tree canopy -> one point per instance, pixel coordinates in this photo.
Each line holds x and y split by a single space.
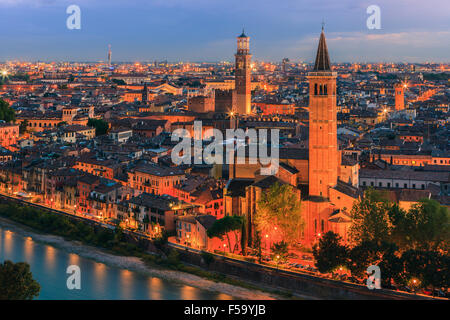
280 209
23 127
6 112
329 253
280 251
426 225
100 125
16 282
406 244
119 82
371 220
223 227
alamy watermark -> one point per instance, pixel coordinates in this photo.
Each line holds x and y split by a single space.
74 20
374 20
237 141
374 279
74 280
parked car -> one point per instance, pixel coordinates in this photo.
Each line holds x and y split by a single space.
405 288
439 293
390 287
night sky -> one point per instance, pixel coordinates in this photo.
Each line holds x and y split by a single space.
206 30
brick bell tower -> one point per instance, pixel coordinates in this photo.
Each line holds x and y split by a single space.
242 103
323 147
399 96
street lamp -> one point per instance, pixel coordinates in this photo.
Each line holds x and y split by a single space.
224 246
414 284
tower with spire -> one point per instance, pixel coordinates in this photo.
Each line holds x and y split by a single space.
242 92
323 147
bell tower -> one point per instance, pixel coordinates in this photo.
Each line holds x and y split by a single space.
399 96
243 91
323 147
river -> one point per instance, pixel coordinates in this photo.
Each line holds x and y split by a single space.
98 280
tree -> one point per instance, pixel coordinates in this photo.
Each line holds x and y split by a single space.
329 253
426 226
280 251
7 113
378 253
398 234
430 268
100 125
371 220
279 213
23 127
223 227
16 282
119 82
391 265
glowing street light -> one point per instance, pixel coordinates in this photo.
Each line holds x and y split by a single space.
414 284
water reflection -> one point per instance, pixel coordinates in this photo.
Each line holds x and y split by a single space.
28 249
126 281
188 293
50 258
98 281
100 278
154 288
9 243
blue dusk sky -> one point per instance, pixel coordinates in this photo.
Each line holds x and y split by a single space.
206 30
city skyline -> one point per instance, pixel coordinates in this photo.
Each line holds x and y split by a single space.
135 162
175 31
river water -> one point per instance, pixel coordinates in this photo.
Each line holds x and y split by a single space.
98 281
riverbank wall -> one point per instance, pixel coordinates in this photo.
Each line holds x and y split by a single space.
300 284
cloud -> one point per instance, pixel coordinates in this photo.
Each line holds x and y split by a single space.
365 47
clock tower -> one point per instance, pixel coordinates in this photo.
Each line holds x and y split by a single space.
243 91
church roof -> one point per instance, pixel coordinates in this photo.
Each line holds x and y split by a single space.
322 58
